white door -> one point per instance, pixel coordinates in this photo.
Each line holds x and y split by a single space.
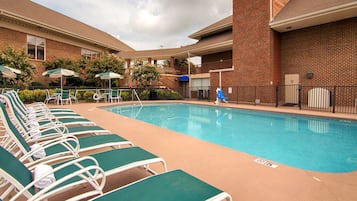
292 88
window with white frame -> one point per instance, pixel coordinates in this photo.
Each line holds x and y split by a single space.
89 54
36 47
200 83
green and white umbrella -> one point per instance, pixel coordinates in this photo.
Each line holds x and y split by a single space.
60 73
9 72
108 76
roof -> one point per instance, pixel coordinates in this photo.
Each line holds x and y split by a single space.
35 14
299 14
216 43
221 25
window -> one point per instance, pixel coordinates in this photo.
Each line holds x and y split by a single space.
200 83
36 47
89 54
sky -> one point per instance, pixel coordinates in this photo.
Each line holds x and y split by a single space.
145 24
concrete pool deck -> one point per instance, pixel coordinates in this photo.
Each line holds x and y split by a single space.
227 169
232 171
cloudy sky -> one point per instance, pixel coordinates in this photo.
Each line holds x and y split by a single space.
145 24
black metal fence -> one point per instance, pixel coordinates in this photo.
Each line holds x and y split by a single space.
335 99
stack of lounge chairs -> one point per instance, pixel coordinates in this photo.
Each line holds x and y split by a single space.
39 159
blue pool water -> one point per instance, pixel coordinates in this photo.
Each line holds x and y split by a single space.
310 143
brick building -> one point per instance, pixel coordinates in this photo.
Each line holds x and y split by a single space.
295 37
45 34
288 42
262 45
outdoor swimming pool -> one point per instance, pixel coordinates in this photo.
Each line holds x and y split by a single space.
310 143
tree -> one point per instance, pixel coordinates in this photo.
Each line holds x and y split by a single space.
18 60
183 64
144 75
66 64
101 65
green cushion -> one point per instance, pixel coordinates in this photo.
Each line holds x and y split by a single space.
110 160
169 186
13 167
76 129
85 142
66 121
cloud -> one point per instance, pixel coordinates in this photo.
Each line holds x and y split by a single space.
145 24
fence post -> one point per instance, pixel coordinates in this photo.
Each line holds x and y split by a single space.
237 94
276 95
255 95
299 98
334 100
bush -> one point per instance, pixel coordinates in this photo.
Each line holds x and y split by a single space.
164 94
37 84
80 95
144 95
125 95
88 96
174 95
30 96
39 95
26 96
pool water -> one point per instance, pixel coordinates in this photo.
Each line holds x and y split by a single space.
310 143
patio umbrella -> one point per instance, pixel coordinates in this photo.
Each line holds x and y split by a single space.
9 72
108 76
60 73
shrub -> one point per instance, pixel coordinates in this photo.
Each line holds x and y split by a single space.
125 95
164 94
26 96
88 96
144 95
38 95
80 95
30 96
37 84
174 95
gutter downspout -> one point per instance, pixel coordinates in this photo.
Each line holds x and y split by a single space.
189 74
271 10
220 73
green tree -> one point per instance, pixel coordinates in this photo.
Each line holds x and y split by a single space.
144 75
66 64
183 64
101 65
18 60
60 63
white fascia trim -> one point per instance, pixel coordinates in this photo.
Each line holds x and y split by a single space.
319 13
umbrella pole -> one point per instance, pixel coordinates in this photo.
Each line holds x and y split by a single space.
61 90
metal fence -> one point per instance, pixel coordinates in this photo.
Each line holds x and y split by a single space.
335 99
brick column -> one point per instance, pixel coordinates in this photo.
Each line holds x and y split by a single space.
255 46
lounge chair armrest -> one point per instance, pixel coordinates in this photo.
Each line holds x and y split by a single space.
91 174
42 117
60 130
70 143
51 124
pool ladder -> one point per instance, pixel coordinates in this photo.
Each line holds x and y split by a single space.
133 93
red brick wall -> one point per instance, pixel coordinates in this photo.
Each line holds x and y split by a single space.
216 61
18 41
253 44
170 82
56 49
14 39
329 51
